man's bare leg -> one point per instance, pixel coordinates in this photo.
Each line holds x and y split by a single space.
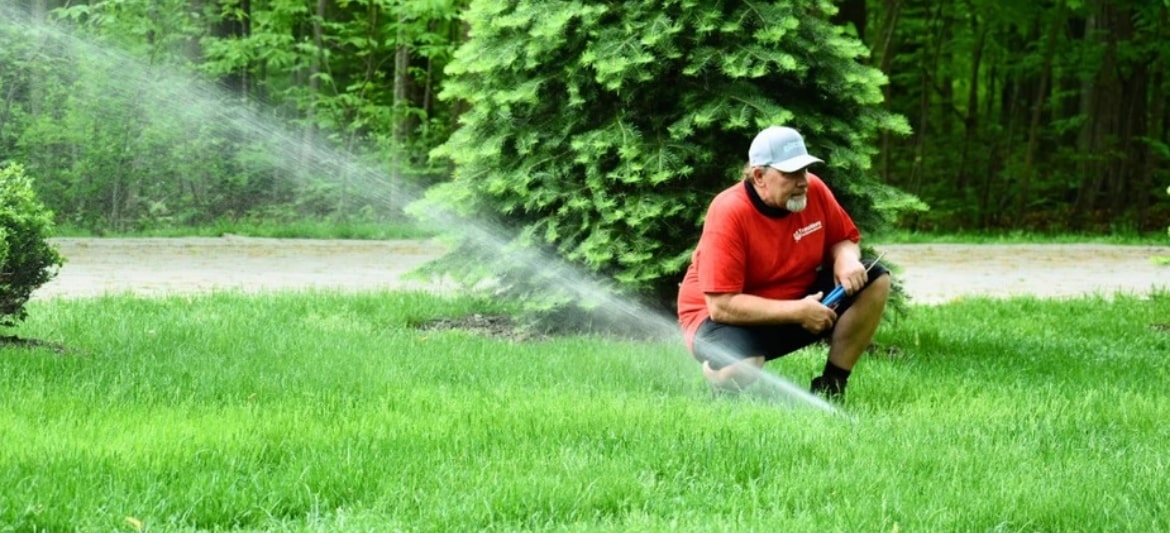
854 330
852 334
734 377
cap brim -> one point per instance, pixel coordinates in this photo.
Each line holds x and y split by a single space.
796 163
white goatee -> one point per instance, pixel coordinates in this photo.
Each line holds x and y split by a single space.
797 204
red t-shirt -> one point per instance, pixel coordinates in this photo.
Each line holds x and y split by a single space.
743 250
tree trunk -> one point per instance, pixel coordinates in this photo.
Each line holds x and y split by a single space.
236 27
1086 139
1108 139
989 211
1037 111
971 118
942 77
884 51
927 87
309 131
1158 130
7 111
1126 193
38 13
401 104
192 49
429 87
401 84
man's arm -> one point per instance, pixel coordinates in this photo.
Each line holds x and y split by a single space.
746 310
847 266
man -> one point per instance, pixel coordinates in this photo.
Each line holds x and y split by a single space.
772 247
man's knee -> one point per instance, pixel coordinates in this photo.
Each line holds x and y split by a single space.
879 288
735 376
869 305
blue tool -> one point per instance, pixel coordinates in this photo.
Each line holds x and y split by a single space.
838 292
834 296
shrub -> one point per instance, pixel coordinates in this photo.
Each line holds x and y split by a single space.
1163 259
27 261
598 132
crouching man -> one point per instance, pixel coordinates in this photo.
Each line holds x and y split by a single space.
773 245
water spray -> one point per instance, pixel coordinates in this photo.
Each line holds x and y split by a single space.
204 104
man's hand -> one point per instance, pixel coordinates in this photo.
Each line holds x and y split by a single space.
850 273
815 317
847 267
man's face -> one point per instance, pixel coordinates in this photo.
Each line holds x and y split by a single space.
786 190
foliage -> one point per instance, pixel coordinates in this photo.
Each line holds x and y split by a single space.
1164 260
1027 116
599 131
1041 116
27 260
336 70
274 123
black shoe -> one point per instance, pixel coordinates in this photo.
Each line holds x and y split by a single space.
828 388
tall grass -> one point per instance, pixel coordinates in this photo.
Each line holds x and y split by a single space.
326 412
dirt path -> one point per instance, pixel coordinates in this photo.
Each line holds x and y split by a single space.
935 273
162 266
932 273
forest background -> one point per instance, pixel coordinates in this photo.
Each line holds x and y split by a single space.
1033 116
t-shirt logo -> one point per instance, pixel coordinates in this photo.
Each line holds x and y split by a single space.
805 231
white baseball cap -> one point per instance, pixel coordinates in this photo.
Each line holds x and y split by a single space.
780 148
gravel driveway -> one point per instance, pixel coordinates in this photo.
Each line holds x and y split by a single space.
931 273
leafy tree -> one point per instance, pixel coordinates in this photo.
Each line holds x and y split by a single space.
1033 115
1163 259
362 72
1026 115
322 109
598 131
27 261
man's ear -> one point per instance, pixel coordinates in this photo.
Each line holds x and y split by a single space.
757 174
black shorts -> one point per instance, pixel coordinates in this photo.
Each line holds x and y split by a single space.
724 344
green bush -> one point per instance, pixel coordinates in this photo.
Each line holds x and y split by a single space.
27 261
598 132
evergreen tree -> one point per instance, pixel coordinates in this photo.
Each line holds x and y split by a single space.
598 131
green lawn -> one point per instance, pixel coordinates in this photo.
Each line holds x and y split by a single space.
329 412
